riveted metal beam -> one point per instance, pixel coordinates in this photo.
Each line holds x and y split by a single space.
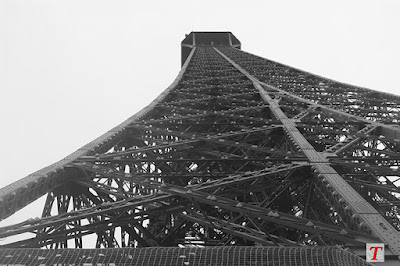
358 205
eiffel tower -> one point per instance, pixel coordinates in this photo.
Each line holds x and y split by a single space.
240 160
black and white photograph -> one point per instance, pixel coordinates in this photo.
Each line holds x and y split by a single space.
200 133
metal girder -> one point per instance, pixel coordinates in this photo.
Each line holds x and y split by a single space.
191 139
225 158
110 207
238 230
357 204
42 181
388 129
342 146
304 113
269 215
192 193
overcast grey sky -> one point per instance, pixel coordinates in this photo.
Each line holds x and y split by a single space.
71 70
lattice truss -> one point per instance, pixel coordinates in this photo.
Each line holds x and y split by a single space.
239 150
221 256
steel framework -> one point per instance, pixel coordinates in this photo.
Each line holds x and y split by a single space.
238 151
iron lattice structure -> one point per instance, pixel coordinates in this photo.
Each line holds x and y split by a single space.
238 151
221 256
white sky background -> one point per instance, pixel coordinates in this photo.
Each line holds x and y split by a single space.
71 70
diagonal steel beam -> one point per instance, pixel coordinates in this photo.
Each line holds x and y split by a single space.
266 214
379 226
189 140
349 142
46 179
